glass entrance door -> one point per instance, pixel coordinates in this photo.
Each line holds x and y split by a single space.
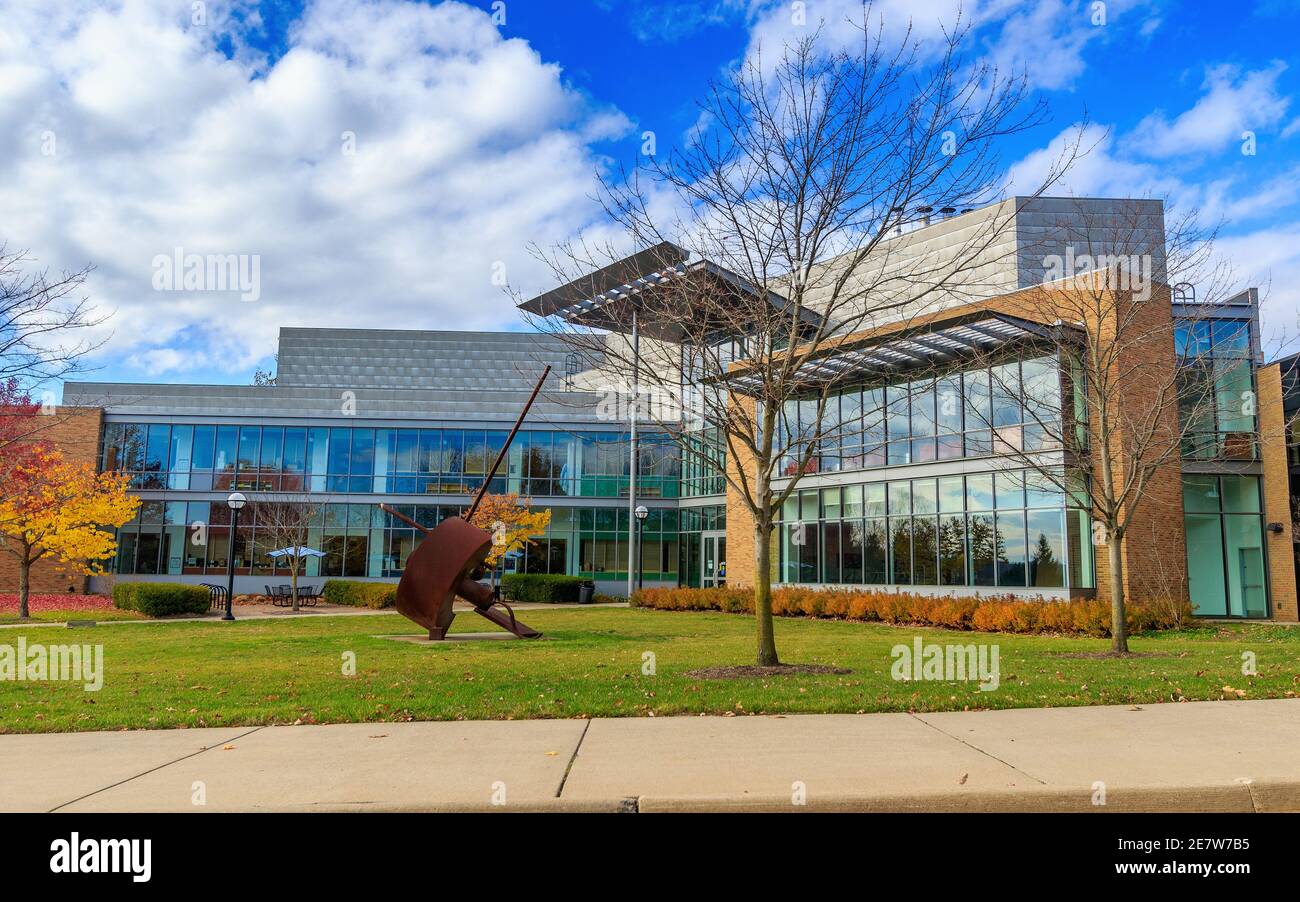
713 562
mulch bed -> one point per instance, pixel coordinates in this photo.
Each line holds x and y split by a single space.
52 602
738 671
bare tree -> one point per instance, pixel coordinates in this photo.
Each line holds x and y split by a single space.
45 326
285 522
42 317
796 202
1126 385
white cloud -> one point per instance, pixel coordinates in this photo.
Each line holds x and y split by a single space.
467 147
1045 39
1233 102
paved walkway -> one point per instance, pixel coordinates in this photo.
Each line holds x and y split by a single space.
1208 756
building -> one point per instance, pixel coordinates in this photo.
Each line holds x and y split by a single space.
920 498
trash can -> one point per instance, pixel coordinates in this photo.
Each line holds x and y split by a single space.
586 592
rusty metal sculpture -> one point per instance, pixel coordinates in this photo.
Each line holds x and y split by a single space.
449 561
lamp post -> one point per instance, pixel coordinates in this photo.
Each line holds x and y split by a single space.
641 513
236 502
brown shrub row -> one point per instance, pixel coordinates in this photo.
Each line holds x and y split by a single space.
994 613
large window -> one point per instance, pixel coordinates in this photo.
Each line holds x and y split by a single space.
1217 389
1226 563
1013 406
178 537
1011 529
345 460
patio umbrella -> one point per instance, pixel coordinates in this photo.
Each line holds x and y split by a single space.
295 551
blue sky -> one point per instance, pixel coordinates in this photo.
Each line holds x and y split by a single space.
225 133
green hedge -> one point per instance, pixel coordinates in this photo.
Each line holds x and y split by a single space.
161 599
541 587
357 594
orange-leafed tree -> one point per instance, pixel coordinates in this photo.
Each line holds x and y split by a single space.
512 522
62 511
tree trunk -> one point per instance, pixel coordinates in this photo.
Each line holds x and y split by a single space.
293 582
1118 623
763 596
24 586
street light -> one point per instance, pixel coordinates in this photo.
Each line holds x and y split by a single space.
641 513
236 501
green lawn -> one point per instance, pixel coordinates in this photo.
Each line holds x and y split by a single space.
287 670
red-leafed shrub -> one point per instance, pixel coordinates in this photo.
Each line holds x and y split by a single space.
995 613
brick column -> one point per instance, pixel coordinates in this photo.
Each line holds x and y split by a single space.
1277 494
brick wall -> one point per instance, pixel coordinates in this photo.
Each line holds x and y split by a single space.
75 432
1277 494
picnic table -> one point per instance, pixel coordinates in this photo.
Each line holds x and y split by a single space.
282 596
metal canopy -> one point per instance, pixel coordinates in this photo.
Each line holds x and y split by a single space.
929 346
605 298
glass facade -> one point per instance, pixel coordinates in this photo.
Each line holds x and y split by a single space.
392 461
1012 528
975 412
1226 561
1217 391
360 540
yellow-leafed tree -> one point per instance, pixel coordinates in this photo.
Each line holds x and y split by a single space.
512 522
54 509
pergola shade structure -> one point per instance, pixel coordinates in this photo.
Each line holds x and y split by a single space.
931 346
675 300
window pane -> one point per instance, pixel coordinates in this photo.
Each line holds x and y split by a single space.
1243 538
272 445
1006 394
952 551
1205 564
979 492
949 403
925 551
981 549
874 557
875 499
1011 548
1241 494
1046 549
249 439
924 496
295 450
1201 493
830 553
951 494
1010 489
900 551
851 539
900 498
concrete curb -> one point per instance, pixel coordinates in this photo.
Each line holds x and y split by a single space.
1237 798
1234 799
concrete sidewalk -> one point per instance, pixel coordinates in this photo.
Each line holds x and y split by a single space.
1208 756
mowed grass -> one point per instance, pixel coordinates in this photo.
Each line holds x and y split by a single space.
284 671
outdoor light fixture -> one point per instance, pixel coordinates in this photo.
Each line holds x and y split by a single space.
1275 527
641 512
236 502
